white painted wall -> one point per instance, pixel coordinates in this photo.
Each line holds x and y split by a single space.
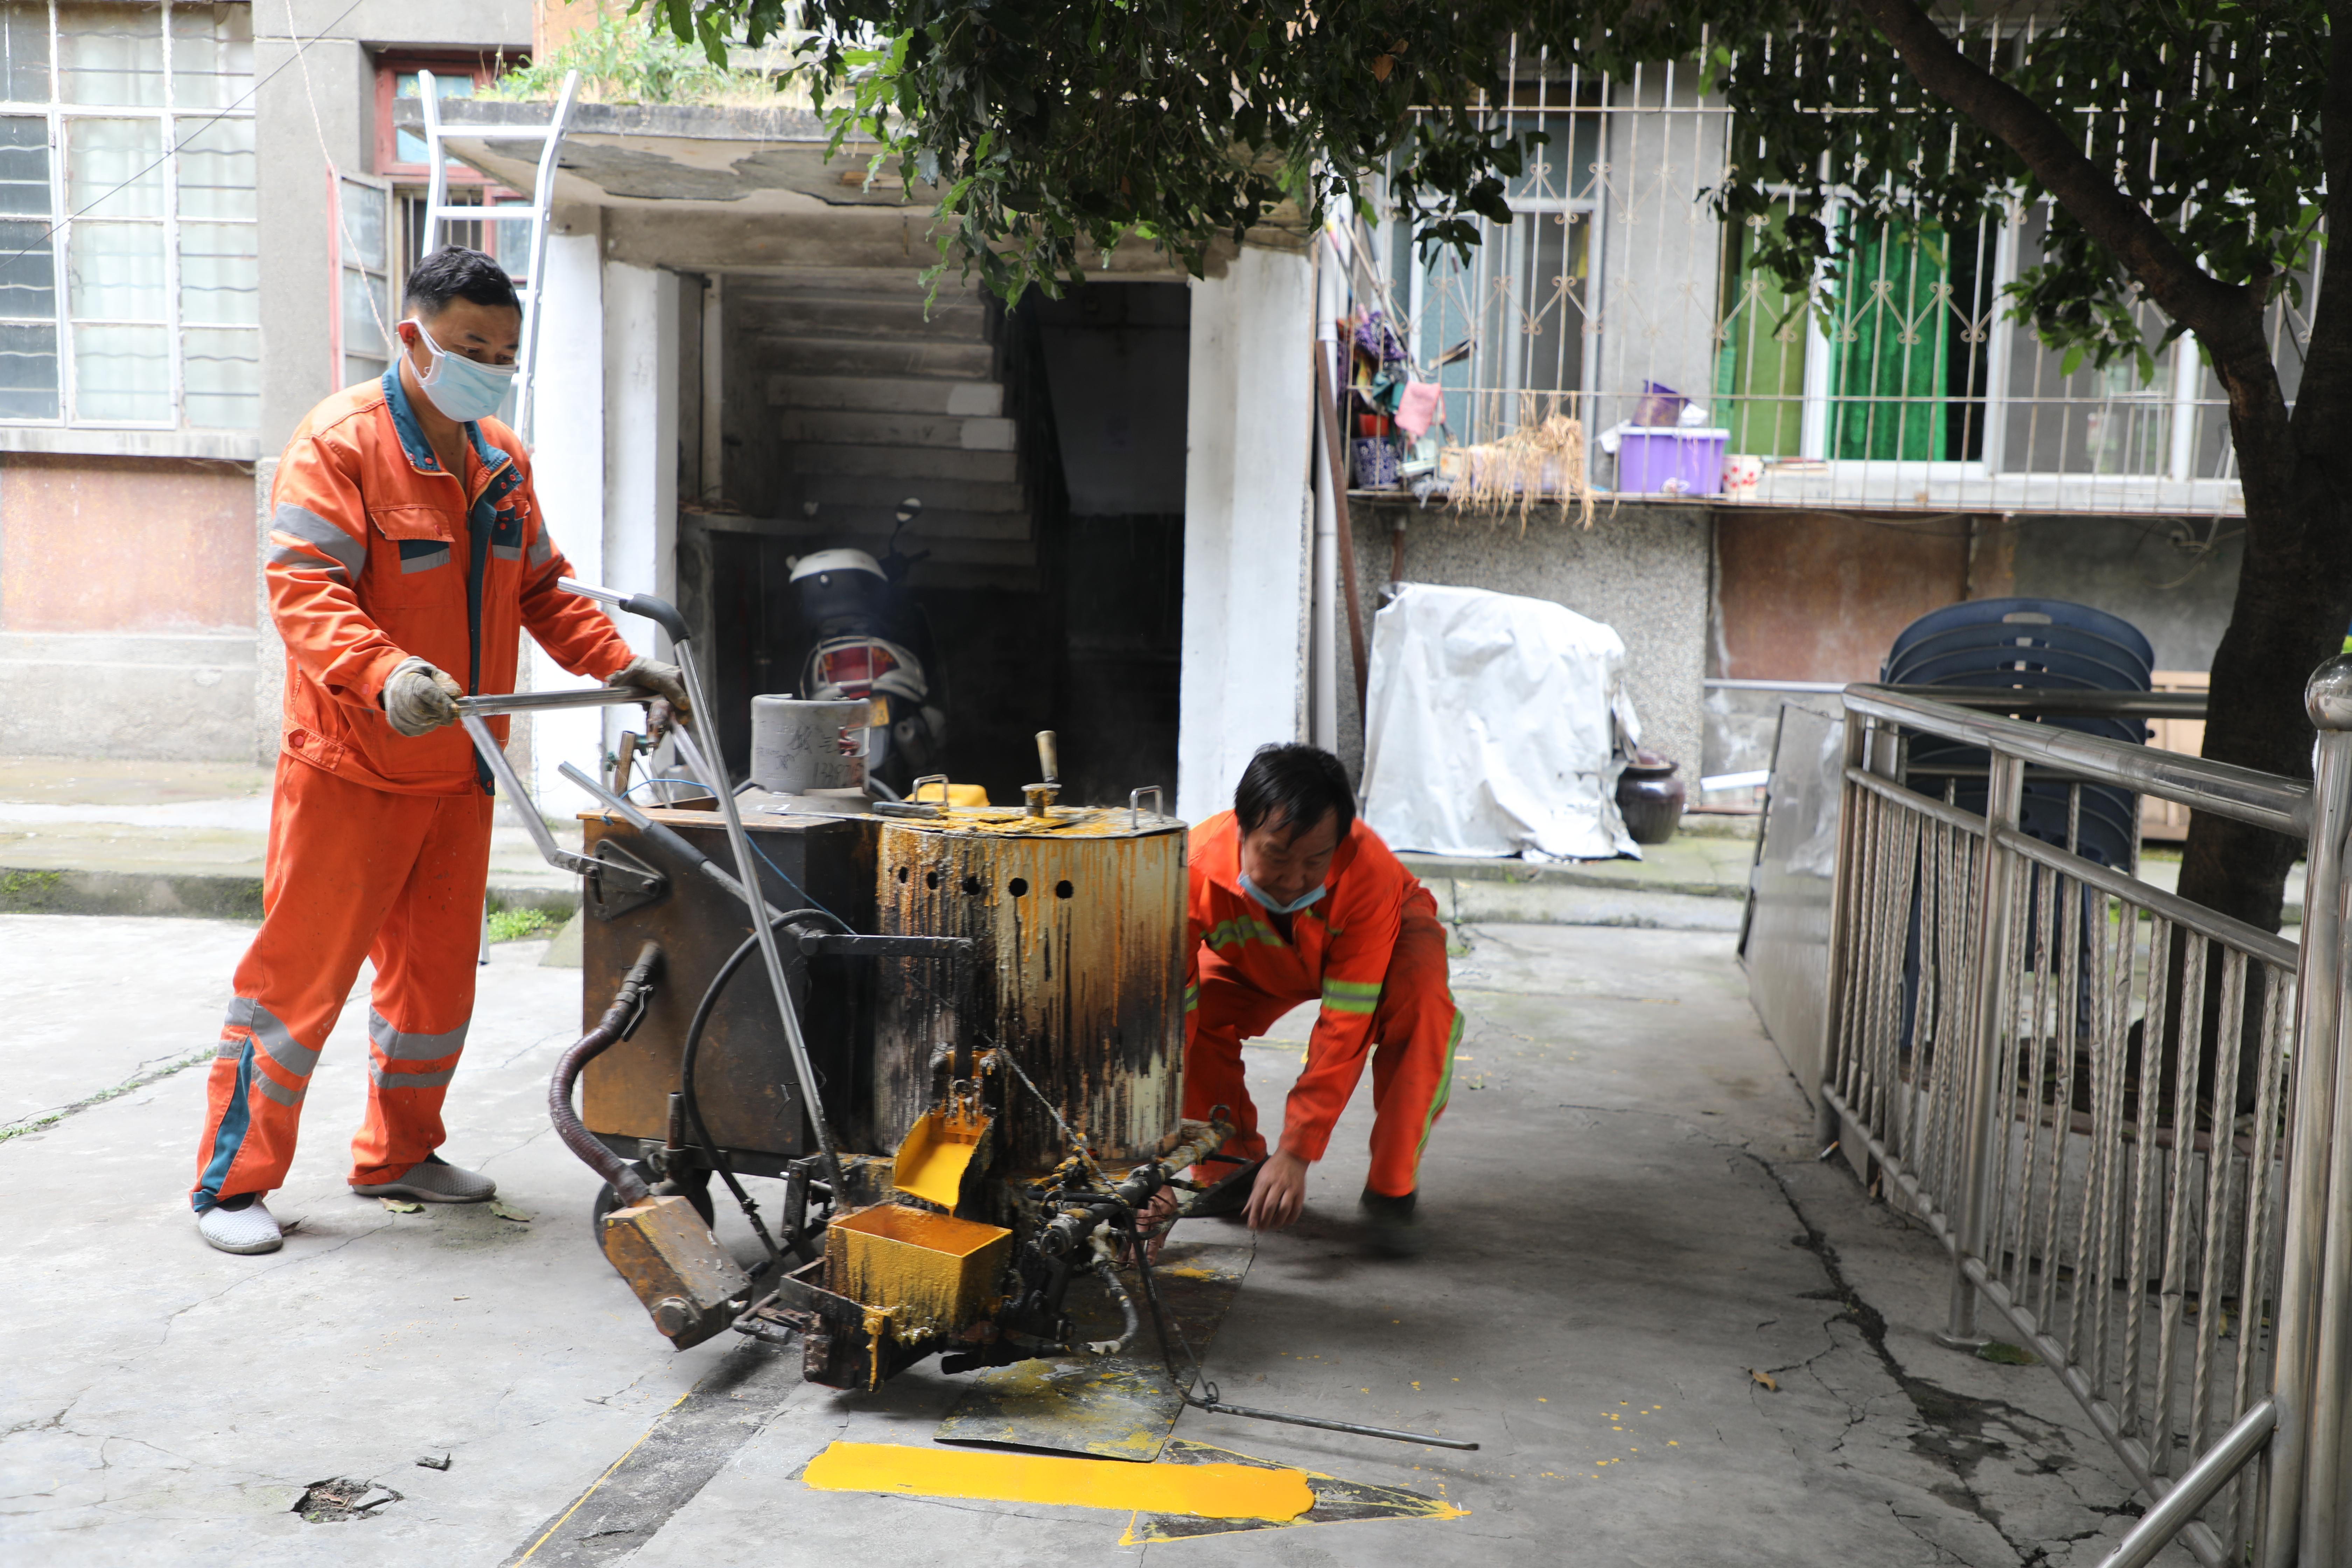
641 394
569 471
1248 520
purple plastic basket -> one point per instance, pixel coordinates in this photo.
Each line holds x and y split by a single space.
1675 461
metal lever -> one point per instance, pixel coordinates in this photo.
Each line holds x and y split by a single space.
487 746
1041 796
1135 804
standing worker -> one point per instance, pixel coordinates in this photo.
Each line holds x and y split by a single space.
1292 901
406 555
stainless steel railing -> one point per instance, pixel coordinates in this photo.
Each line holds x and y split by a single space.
2096 1093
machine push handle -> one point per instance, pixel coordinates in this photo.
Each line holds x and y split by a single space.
665 615
661 611
1049 763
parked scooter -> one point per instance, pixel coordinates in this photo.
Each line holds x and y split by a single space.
868 639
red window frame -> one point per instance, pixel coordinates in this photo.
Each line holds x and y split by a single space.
480 67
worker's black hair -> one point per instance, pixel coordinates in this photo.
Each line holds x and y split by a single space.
453 272
1293 787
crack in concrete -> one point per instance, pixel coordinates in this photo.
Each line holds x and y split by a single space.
172 1318
42 1120
1951 1432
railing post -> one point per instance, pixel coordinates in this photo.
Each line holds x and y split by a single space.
1985 1110
1844 921
2303 1494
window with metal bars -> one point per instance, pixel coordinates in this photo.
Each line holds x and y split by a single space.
129 264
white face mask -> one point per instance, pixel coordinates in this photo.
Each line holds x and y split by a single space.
1266 900
463 389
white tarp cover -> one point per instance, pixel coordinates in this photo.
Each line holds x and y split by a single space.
1494 726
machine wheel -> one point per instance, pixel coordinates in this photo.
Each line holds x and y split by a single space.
697 1192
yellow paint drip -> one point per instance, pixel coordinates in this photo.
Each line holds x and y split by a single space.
1203 1492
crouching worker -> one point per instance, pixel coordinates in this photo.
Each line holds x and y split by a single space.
406 554
1292 900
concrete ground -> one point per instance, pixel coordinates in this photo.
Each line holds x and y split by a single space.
1679 1337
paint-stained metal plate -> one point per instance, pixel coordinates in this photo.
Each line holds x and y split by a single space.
1110 1408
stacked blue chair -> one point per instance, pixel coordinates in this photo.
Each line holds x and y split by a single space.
2028 645
2031 645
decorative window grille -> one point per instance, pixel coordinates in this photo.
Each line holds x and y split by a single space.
129 267
1901 385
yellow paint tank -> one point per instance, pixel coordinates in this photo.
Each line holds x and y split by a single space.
1079 920
933 1272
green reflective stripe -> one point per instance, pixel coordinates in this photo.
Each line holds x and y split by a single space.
1191 997
1444 1085
1350 1004
1240 930
1352 989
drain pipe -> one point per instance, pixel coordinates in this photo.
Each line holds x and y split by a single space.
1323 629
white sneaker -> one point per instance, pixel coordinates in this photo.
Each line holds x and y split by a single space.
434 1180
249 1229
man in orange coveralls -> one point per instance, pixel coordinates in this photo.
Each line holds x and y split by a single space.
1292 899
406 554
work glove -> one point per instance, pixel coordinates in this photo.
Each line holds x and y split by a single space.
418 699
656 678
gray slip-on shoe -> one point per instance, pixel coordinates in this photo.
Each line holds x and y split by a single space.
434 1180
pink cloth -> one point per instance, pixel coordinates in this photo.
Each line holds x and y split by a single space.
1421 405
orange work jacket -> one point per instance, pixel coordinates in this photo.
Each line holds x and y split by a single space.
1337 951
377 553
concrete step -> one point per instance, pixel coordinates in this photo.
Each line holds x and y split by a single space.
885 491
871 429
792 354
864 316
911 463
867 526
894 394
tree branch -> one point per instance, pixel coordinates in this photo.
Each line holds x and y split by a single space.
2219 314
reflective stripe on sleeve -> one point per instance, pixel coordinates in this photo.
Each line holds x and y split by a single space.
304 526
1351 996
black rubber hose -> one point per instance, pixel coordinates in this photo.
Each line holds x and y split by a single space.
634 987
692 1103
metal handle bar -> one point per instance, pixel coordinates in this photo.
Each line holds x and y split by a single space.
533 701
1135 804
487 747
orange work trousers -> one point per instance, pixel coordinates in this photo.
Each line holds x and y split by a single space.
351 873
1416 1030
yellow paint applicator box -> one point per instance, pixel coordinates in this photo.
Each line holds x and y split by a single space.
931 1271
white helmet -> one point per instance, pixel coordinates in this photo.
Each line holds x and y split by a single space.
826 561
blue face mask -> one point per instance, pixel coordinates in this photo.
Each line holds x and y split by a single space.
461 388
1265 899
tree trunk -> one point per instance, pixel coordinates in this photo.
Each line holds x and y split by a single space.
2294 599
